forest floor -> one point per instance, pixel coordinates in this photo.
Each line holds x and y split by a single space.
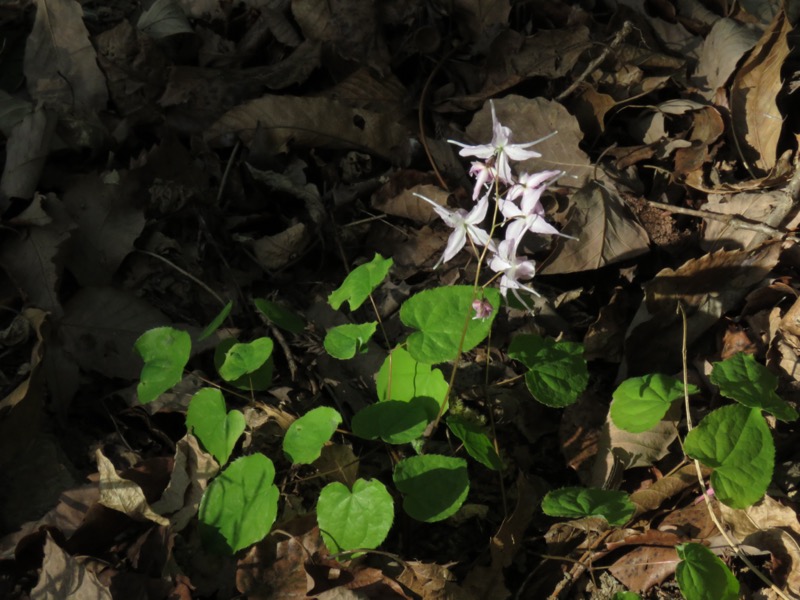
166 160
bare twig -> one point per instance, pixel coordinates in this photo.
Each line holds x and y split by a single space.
627 27
734 221
185 274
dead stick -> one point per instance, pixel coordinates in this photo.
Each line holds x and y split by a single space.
627 27
731 220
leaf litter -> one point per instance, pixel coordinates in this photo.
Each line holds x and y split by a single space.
164 159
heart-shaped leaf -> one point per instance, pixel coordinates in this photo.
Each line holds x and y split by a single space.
440 314
245 359
360 283
358 519
307 435
216 429
240 505
165 351
641 402
345 341
736 442
575 503
433 486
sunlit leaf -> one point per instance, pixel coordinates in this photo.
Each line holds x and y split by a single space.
165 351
358 519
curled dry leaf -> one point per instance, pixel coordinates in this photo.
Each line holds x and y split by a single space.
757 123
124 495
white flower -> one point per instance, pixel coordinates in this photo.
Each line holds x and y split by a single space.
501 149
529 216
464 224
514 269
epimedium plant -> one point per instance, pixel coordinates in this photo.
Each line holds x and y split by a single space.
413 397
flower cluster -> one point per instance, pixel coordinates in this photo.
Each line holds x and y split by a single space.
518 200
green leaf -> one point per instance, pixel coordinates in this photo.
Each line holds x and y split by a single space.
358 519
345 341
736 442
217 429
259 380
748 382
440 315
557 372
433 486
703 576
641 402
280 315
403 378
476 442
216 322
245 359
306 436
165 351
240 505
392 421
575 503
626 596
360 283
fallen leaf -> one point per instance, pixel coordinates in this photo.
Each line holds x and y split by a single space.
756 121
27 148
34 258
63 576
312 122
724 46
606 233
645 567
124 495
767 207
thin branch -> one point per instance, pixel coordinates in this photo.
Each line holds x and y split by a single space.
734 221
627 27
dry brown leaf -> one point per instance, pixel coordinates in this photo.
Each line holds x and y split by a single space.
34 258
63 576
100 327
665 488
707 288
481 18
786 555
757 123
767 207
190 476
606 233
60 61
124 495
645 567
108 223
27 149
767 513
408 206
277 251
726 43
630 450
312 122
605 337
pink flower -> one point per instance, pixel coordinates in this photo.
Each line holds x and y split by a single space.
483 309
464 224
501 149
515 269
529 216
